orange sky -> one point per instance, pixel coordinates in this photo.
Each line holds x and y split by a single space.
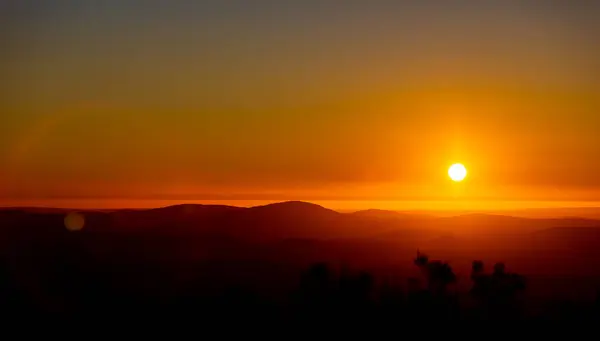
306 101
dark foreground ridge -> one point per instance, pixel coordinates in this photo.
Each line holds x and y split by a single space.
296 263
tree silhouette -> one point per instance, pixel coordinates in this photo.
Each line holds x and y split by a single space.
497 293
481 281
439 274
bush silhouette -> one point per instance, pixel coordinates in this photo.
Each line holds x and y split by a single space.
439 274
345 295
497 293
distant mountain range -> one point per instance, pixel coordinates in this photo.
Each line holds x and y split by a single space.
292 219
297 232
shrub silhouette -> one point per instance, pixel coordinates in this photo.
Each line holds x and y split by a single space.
497 293
345 295
439 274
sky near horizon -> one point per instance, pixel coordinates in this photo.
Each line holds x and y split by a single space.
299 100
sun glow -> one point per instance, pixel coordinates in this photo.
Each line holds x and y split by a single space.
457 172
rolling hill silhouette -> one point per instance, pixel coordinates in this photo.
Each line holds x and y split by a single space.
204 248
293 219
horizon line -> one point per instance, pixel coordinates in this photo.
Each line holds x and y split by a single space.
338 205
288 198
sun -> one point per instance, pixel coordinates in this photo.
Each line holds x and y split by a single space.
457 172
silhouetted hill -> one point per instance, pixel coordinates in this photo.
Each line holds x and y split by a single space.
188 251
189 218
34 210
500 224
556 212
583 239
284 220
294 208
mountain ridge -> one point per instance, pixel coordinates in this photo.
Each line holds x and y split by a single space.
288 219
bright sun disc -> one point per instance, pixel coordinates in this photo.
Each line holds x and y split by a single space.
457 172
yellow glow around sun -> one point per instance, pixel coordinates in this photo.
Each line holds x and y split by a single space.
457 172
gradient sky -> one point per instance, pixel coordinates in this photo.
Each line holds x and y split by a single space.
303 100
